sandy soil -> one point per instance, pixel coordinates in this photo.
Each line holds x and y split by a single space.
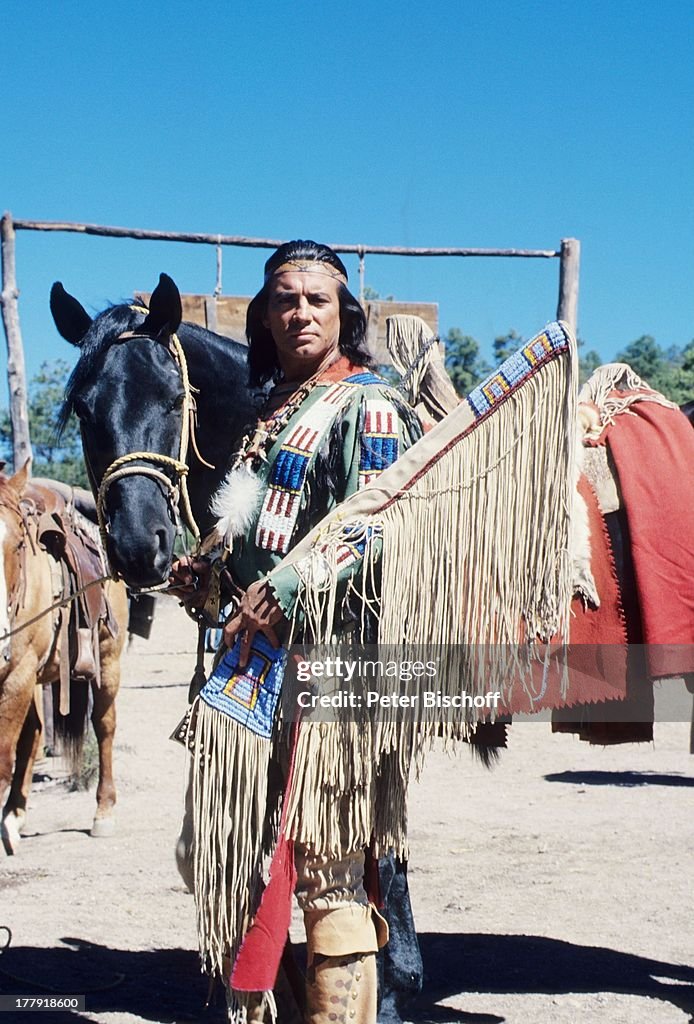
556 888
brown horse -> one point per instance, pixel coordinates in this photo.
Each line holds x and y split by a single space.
31 580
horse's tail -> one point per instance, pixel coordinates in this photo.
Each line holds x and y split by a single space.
70 730
488 740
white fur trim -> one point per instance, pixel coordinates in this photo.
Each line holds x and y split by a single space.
236 503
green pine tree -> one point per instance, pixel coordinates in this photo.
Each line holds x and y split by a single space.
57 457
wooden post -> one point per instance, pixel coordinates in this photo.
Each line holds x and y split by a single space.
16 375
569 260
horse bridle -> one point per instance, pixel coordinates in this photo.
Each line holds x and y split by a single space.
124 465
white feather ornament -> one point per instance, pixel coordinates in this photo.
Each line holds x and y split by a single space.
236 503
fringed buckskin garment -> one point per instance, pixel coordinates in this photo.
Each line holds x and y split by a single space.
348 427
469 534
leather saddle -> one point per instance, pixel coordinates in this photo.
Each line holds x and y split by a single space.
74 544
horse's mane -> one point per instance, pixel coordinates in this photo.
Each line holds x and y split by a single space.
104 330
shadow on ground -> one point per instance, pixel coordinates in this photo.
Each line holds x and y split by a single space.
164 985
530 964
620 779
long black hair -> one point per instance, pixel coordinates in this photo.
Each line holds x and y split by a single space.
262 354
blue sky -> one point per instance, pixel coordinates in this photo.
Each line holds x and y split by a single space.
503 124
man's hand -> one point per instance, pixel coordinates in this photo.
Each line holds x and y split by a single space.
258 612
189 580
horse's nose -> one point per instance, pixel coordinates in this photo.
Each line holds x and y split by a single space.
144 562
141 531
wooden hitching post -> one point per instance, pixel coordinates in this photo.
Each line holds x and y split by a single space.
569 260
16 375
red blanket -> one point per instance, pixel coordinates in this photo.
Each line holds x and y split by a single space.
597 656
653 450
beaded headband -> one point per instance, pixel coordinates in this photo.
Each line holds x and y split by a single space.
308 267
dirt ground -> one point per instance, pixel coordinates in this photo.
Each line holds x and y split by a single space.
555 888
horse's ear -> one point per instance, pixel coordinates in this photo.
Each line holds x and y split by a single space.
165 311
71 318
20 479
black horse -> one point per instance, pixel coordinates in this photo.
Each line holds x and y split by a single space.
129 393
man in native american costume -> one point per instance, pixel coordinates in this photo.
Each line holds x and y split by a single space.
330 427
461 541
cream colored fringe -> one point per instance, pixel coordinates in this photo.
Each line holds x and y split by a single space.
484 533
253 1006
350 787
600 389
410 342
230 770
